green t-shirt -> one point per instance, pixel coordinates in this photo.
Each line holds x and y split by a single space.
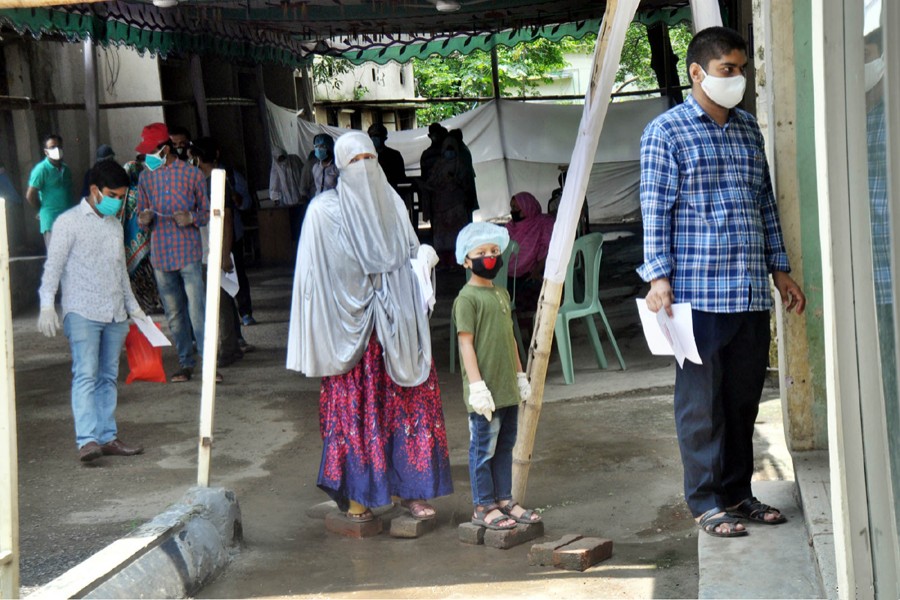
484 312
54 187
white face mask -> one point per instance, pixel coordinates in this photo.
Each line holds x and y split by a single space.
54 153
874 71
724 91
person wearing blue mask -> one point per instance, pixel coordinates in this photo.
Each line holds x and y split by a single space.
324 173
173 206
391 160
87 256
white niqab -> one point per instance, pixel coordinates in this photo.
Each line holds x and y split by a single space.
353 275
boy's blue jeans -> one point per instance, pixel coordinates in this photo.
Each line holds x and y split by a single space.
490 455
96 348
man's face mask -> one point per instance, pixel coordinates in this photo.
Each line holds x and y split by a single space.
54 153
486 266
155 161
727 92
181 152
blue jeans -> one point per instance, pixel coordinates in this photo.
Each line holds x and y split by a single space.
96 348
183 296
490 455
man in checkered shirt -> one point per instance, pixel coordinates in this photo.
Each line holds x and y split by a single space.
712 238
172 204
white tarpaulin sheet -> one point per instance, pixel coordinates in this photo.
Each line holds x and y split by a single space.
518 146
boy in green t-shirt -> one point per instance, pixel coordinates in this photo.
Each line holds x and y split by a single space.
493 381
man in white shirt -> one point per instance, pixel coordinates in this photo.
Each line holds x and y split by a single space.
87 255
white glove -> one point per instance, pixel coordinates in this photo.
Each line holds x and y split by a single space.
480 399
524 386
138 314
48 322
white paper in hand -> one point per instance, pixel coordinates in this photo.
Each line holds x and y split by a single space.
229 281
152 332
667 336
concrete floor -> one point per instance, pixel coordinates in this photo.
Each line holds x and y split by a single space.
605 464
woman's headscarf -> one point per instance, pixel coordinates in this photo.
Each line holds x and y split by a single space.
353 276
532 234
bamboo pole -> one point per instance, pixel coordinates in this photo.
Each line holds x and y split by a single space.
41 3
9 474
211 326
619 13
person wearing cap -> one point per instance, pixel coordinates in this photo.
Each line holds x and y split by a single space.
493 380
391 161
173 205
50 185
358 322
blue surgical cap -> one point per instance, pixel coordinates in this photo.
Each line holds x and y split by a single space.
476 234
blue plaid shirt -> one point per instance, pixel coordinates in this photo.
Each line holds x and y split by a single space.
710 219
880 209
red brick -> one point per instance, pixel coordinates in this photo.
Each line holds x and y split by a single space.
582 554
507 538
337 522
470 534
542 554
405 526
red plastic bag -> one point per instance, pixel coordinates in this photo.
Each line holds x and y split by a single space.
144 360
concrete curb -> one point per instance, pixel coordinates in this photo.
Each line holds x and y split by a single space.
172 556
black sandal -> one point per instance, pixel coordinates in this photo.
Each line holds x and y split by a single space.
754 510
479 518
525 518
709 521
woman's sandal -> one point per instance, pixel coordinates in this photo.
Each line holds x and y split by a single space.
480 516
526 518
419 509
363 517
754 510
709 521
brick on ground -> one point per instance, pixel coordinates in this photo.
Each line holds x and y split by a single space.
507 538
470 533
542 554
582 554
337 522
405 526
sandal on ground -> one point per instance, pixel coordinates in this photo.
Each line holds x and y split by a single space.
181 375
363 517
754 510
419 509
709 521
480 518
527 517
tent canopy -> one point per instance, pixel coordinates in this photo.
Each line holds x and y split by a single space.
290 31
518 146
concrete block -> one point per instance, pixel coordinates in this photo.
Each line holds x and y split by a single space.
319 511
582 554
542 554
337 522
507 538
405 526
470 534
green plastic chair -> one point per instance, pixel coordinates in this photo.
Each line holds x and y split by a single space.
586 253
510 256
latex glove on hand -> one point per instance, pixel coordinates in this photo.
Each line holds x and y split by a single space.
480 399
138 314
524 386
48 322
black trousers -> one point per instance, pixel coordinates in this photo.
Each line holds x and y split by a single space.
716 405
245 304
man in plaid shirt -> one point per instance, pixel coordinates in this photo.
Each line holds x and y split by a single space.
172 204
711 238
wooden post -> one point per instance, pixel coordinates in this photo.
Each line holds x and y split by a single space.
211 325
618 15
9 474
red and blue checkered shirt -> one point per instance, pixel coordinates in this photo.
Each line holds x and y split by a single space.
170 188
710 218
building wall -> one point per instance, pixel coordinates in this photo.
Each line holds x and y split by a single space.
370 82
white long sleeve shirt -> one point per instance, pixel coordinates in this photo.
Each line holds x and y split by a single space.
87 255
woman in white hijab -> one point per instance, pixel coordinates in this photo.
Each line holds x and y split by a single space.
357 322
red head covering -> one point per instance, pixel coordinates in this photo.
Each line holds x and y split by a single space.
532 234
